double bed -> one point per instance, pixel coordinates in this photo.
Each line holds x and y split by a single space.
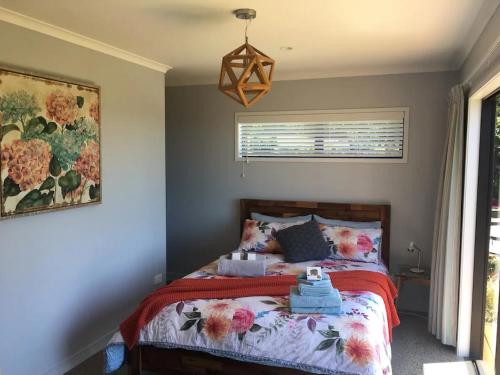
258 334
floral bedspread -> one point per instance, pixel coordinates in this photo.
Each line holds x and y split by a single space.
252 328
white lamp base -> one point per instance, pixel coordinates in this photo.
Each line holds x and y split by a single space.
417 270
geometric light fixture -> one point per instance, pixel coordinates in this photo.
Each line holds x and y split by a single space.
246 73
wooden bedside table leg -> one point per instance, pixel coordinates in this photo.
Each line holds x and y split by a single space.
399 280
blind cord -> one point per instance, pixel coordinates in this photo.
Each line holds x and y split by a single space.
243 175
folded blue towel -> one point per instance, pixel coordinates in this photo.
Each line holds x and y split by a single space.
302 279
331 300
315 283
317 288
316 310
316 291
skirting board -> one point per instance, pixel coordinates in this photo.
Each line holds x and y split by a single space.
81 355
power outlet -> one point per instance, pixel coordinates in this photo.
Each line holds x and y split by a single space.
157 280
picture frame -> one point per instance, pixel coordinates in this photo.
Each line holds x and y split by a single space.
314 273
50 143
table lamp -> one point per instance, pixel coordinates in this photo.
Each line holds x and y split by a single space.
412 248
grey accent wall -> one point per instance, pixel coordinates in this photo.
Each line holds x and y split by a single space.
204 178
68 278
478 68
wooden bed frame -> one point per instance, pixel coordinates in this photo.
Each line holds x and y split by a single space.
179 361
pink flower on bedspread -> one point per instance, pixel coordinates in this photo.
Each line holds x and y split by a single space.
217 327
347 249
365 243
359 351
242 320
345 233
224 307
356 326
248 230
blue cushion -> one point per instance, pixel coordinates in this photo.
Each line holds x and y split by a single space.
277 219
349 224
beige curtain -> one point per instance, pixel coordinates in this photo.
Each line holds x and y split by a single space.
443 306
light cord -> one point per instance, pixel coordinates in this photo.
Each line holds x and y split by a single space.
247 23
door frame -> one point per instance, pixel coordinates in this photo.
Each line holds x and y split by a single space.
467 260
483 222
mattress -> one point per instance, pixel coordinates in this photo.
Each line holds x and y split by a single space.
251 328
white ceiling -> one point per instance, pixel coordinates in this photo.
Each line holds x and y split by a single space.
329 37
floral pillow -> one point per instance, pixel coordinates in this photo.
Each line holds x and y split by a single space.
353 244
260 236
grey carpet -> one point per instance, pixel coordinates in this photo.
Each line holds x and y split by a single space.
412 346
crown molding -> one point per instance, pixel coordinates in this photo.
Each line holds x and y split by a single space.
34 24
484 15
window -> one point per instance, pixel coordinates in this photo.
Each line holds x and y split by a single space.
339 135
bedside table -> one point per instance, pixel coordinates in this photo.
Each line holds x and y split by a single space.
405 275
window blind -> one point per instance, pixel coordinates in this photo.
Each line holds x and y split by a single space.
335 135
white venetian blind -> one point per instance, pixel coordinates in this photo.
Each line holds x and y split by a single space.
379 134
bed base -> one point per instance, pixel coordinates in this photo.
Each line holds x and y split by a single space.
180 361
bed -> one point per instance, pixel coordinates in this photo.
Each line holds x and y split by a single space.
258 334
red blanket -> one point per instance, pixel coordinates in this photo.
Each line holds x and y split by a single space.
191 289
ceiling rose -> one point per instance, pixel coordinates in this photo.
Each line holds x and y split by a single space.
246 73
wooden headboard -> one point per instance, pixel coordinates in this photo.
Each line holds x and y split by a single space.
340 211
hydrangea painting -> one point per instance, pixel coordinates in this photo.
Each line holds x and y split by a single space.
49 144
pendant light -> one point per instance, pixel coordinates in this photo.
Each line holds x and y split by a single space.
246 73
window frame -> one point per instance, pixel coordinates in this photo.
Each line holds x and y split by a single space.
402 160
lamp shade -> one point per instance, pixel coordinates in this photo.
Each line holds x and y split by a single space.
246 74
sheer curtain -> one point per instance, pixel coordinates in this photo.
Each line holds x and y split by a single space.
443 306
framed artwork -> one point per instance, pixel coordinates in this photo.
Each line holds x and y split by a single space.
314 273
49 144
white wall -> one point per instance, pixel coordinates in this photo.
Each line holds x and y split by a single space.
483 61
205 184
68 278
